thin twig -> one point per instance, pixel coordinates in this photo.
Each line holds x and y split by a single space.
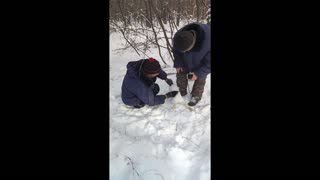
124 36
133 168
155 34
169 47
191 141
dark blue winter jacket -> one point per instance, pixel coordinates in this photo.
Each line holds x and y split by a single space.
198 59
135 89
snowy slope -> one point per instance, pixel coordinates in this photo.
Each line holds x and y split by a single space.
165 142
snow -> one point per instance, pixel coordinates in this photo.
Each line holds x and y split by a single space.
165 142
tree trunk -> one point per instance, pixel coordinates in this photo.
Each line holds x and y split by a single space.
178 12
148 24
198 10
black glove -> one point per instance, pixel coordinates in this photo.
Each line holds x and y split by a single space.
171 94
169 82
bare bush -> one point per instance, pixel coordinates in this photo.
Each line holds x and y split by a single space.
155 21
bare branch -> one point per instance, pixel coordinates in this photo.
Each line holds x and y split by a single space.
124 36
169 47
148 4
142 22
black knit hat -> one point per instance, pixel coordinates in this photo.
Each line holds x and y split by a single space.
151 66
184 40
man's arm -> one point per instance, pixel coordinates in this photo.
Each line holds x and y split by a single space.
205 68
145 94
177 59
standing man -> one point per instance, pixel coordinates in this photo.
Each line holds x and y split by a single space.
192 58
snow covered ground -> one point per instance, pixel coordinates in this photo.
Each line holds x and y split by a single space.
165 142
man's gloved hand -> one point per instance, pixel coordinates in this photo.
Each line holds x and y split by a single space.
169 82
171 94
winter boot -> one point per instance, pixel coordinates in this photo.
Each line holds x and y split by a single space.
194 101
140 105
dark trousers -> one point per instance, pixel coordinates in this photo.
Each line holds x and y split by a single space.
198 86
155 89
